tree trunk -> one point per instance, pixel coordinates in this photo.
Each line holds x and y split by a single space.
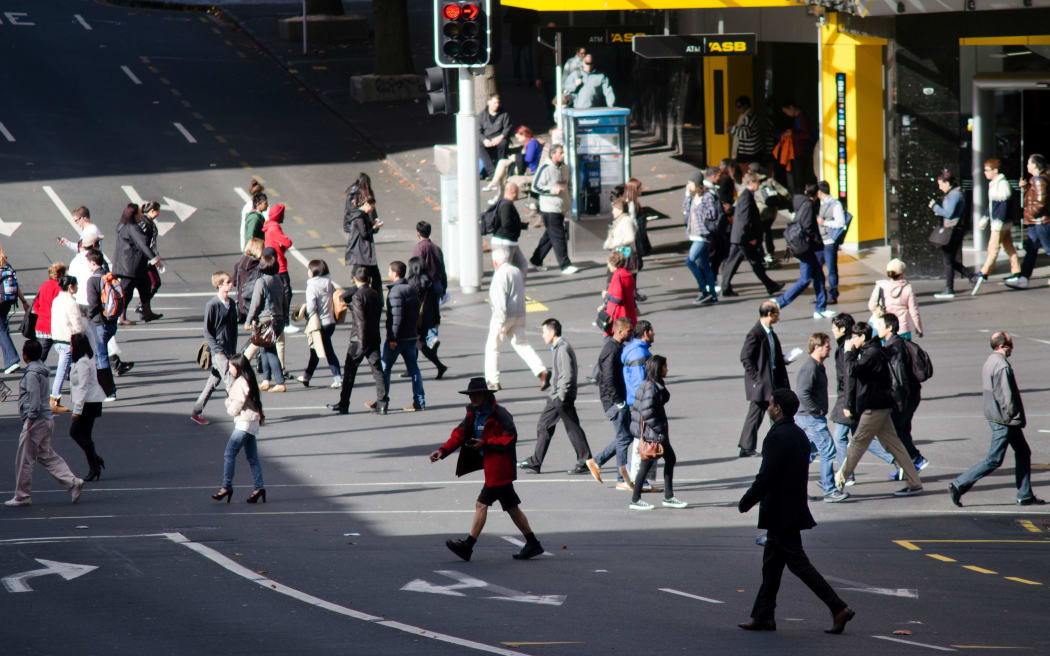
324 7
391 37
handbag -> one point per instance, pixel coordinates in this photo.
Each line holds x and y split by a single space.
647 450
941 236
880 304
264 333
603 321
28 328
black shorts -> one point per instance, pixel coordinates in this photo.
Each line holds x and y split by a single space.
505 494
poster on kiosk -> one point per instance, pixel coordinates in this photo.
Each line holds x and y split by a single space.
599 156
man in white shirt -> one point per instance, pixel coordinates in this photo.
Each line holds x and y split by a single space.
831 218
507 298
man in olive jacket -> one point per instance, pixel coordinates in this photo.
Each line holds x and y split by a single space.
780 491
1005 414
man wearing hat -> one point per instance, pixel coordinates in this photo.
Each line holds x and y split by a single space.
487 436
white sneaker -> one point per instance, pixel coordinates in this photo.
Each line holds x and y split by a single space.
569 270
675 502
18 365
1020 282
337 384
640 505
14 503
827 314
290 329
110 399
78 487
951 295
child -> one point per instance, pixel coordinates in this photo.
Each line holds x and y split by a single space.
220 332
321 323
487 436
34 444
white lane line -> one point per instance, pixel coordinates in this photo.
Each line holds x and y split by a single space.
1041 341
83 23
134 78
1043 430
269 584
59 538
913 643
243 194
691 596
7 133
62 209
394 484
186 133
521 543
183 294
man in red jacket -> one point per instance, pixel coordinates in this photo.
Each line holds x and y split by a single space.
487 435
277 240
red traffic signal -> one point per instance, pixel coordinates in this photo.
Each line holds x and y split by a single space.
452 12
461 33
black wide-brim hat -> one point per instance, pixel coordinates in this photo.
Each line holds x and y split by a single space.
476 384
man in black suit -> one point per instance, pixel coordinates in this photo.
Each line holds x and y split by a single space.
764 371
365 311
747 229
780 491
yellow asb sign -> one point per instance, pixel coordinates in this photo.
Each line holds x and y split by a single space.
726 47
674 46
624 37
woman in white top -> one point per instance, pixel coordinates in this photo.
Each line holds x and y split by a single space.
86 398
622 233
894 295
244 404
66 321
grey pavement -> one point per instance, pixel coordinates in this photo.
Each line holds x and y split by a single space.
348 554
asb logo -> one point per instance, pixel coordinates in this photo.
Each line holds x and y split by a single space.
623 37
727 46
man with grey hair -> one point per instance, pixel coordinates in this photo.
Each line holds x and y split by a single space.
1005 414
507 299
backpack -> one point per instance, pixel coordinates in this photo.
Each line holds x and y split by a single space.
839 234
8 284
490 218
796 239
112 297
921 365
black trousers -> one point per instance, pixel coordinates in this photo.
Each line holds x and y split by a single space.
128 287
80 431
643 471
553 237
719 251
287 281
950 254
785 548
902 424
491 155
565 412
429 353
737 253
749 434
354 357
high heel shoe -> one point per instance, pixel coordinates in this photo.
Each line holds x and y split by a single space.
223 493
95 471
256 495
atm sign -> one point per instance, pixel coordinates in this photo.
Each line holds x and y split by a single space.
675 46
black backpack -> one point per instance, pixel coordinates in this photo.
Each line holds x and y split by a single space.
490 218
797 239
921 365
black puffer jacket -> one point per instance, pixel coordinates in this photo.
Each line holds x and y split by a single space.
869 385
402 311
360 243
649 403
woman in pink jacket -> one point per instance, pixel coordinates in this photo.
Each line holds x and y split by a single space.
894 295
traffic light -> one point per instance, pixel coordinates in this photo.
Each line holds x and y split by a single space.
461 32
439 90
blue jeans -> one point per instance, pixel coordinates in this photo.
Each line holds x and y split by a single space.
406 349
830 257
6 345
816 429
65 361
239 439
271 365
103 333
809 271
1002 437
621 421
840 433
1034 237
699 262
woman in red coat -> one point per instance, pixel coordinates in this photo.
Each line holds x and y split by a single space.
619 295
42 306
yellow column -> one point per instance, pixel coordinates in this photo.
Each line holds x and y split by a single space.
725 79
859 60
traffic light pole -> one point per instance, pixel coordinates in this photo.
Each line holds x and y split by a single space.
467 186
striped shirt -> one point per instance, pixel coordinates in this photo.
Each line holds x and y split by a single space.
748 136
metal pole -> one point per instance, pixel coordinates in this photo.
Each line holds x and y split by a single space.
467 186
820 95
304 27
559 91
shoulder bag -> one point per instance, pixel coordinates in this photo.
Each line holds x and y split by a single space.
264 333
647 450
28 328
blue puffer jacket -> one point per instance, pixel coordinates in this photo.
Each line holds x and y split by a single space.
634 356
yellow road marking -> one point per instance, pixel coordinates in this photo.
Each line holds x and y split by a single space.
176 93
235 152
1020 580
911 546
153 69
245 165
320 68
187 104
943 559
221 139
532 305
270 191
979 570
1029 525
208 126
330 249
144 60
314 234
198 116
298 219
1040 466
526 644
292 70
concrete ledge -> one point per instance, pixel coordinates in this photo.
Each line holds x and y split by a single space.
445 158
387 88
324 28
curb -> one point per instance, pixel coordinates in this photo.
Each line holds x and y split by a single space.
161 4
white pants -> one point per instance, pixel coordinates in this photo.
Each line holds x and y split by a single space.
515 329
634 461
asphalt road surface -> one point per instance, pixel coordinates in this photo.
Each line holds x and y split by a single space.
348 555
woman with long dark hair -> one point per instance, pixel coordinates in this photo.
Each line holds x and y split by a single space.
268 305
149 284
244 404
429 316
86 398
132 255
950 210
360 223
649 412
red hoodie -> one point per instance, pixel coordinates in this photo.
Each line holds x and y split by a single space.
275 237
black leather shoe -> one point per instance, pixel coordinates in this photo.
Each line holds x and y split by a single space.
839 620
579 469
528 550
528 466
441 372
748 453
956 494
460 548
729 292
1031 501
335 407
759 625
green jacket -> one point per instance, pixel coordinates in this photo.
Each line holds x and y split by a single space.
253 224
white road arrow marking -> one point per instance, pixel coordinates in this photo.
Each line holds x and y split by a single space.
466 582
181 210
7 134
131 76
83 23
186 133
68 571
8 229
62 209
690 596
